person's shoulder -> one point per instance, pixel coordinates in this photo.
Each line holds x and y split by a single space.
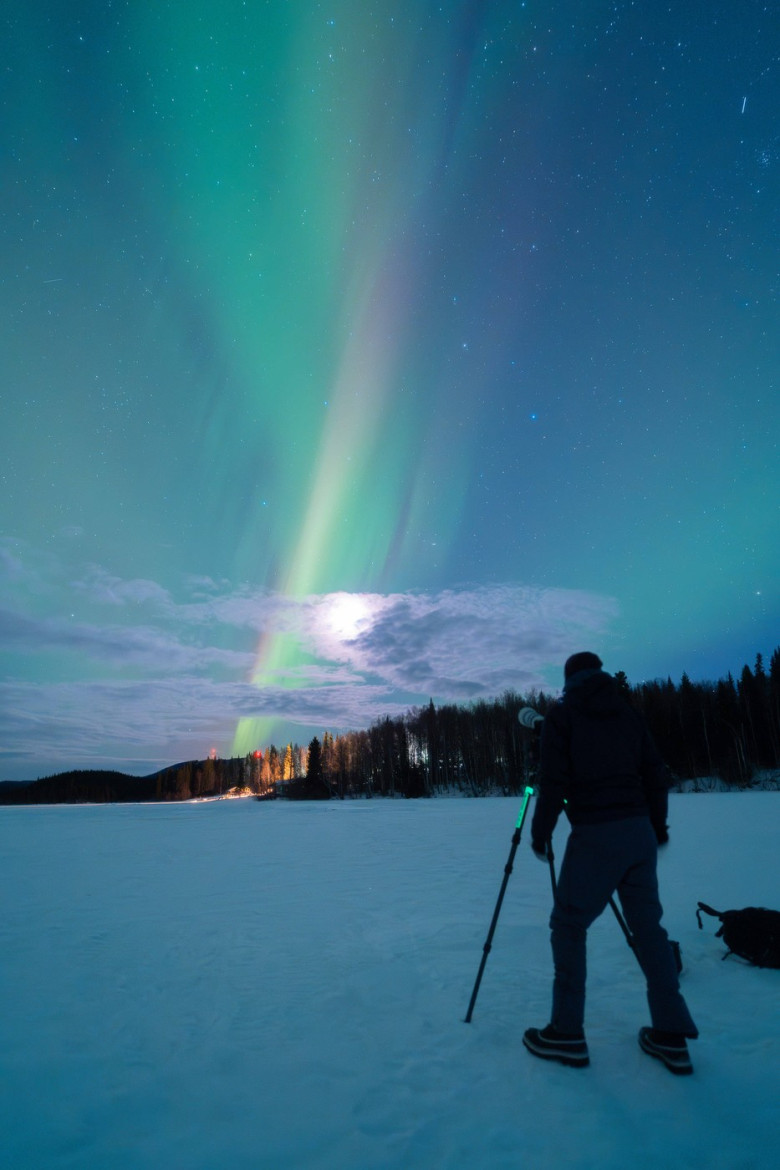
558 713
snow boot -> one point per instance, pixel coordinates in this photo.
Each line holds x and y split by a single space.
668 1047
565 1047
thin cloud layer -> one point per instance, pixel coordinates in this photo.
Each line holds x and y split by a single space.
472 642
98 668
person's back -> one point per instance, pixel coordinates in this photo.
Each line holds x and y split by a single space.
597 755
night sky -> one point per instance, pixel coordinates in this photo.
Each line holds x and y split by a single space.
357 353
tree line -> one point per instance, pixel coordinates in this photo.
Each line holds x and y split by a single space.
729 730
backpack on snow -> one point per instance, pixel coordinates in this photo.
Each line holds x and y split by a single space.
752 933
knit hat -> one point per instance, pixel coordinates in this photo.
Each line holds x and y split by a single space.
582 661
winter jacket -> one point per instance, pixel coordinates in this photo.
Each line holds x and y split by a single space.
598 758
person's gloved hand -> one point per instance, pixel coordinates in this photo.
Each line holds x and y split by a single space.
540 849
530 718
662 834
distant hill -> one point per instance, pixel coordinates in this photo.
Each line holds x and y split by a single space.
194 778
81 787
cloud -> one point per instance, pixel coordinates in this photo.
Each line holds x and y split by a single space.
116 647
99 666
470 642
106 589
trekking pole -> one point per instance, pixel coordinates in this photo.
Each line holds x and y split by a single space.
507 871
675 946
551 860
623 926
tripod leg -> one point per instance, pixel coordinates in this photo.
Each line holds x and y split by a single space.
507 871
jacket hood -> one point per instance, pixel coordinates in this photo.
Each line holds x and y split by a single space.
594 693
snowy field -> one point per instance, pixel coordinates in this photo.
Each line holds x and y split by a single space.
249 986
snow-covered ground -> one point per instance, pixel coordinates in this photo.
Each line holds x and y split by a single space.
249 986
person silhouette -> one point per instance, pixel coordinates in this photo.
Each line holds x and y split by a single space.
598 761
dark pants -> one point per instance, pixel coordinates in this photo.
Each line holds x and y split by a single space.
599 860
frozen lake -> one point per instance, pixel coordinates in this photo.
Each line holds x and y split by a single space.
260 986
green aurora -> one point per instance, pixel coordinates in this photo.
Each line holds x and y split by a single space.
396 299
